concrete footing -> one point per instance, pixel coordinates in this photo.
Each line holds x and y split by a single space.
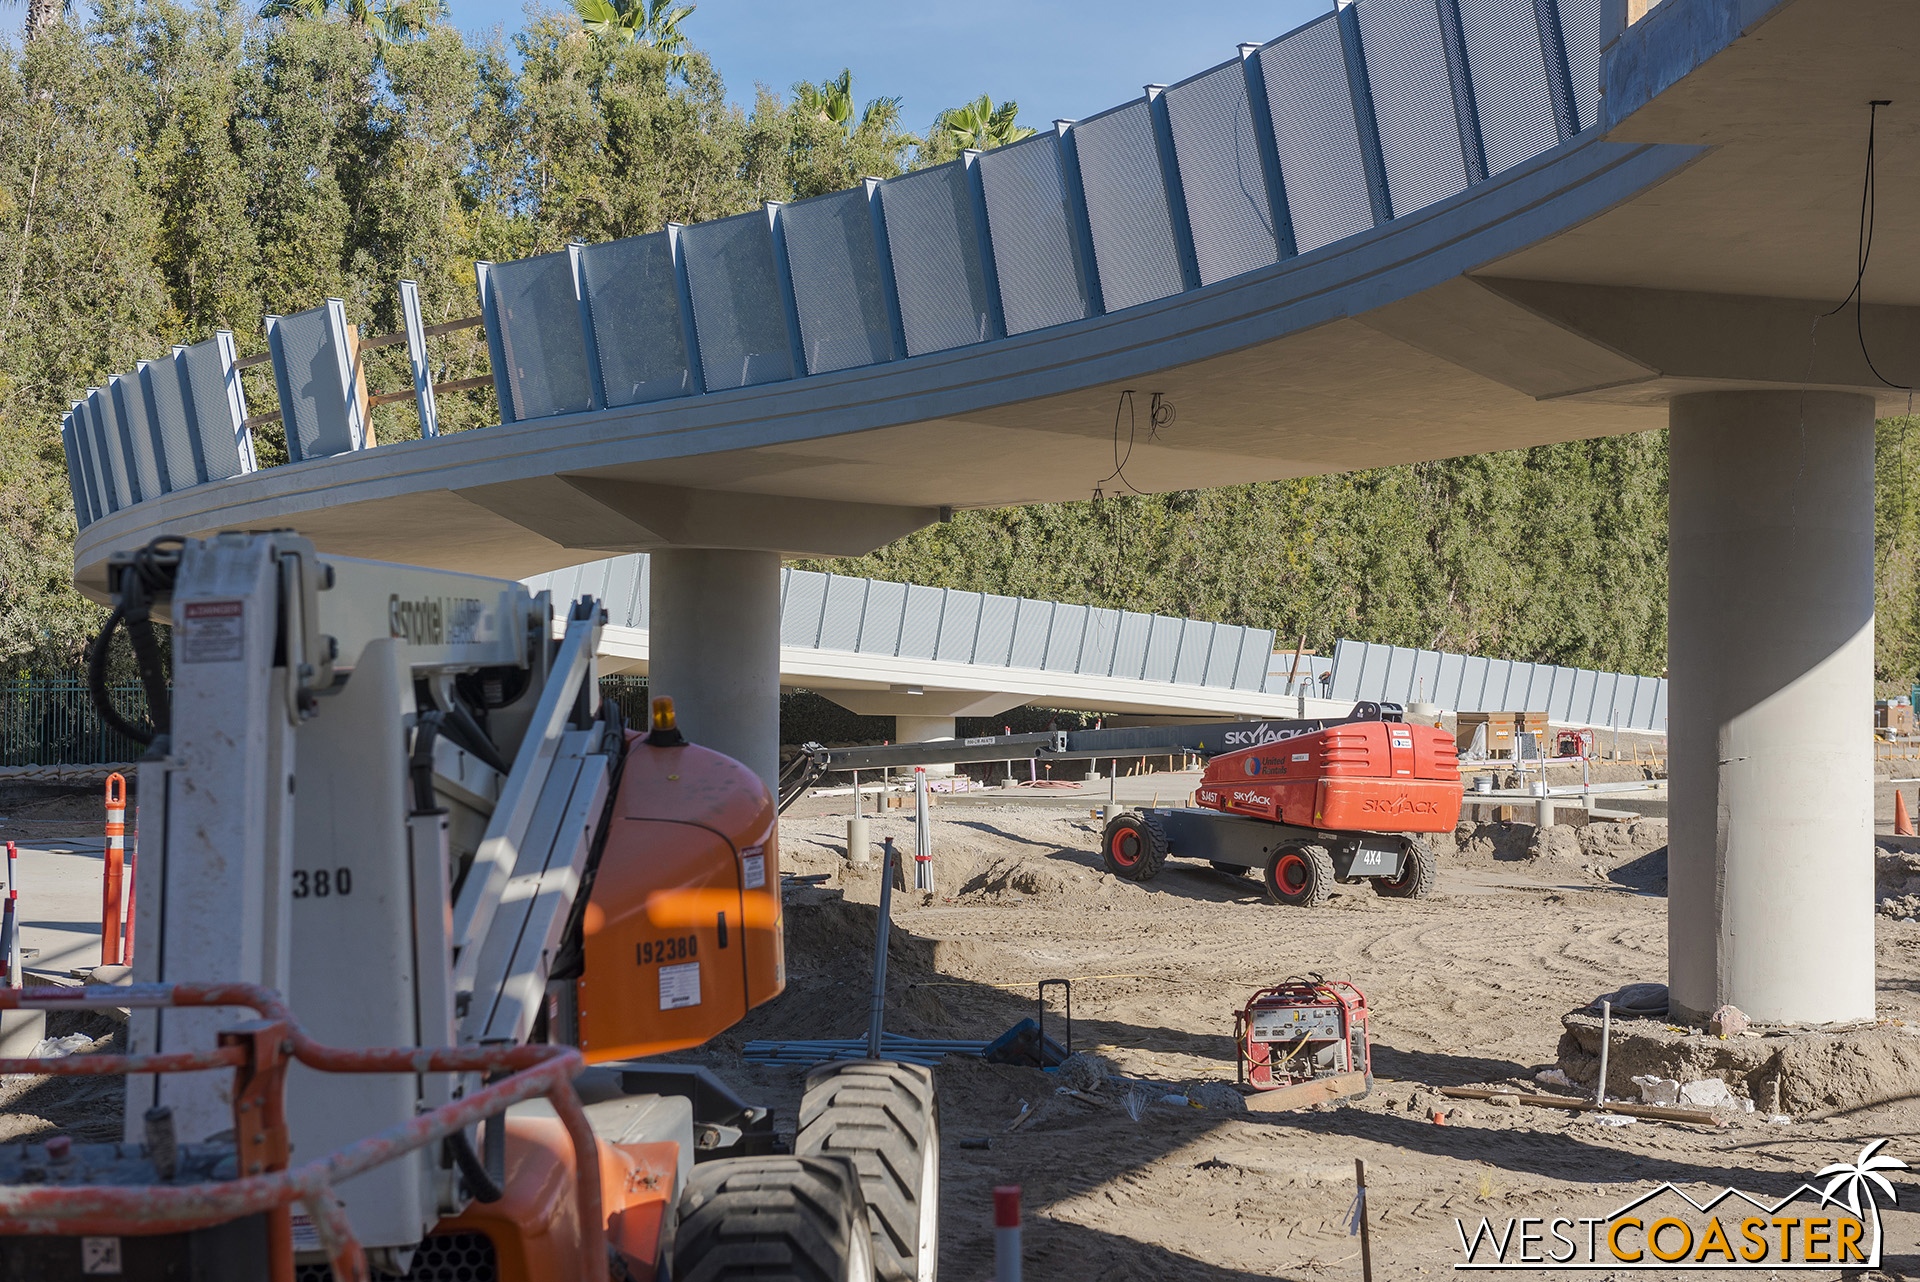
1782 1071
1770 651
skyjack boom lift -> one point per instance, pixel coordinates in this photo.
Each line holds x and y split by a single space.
392 796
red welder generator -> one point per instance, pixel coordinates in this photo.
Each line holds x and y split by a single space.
1303 1042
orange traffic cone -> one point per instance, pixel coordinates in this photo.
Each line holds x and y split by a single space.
1902 822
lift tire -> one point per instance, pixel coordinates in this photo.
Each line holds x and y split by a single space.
771 1219
1232 870
1419 871
1133 846
1300 876
885 1119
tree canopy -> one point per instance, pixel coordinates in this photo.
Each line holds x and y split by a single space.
176 166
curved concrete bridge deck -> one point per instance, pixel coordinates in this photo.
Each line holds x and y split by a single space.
1412 229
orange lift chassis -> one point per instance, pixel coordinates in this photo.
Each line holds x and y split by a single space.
391 799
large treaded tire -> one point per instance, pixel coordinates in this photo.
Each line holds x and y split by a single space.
1300 876
885 1119
1419 872
770 1219
1133 846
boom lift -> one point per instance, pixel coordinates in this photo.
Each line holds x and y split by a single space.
386 808
1307 804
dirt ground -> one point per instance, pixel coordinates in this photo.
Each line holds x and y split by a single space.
1467 987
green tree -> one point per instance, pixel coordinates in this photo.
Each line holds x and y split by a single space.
651 22
975 126
823 146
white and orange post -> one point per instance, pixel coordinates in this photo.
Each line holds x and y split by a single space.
10 924
132 885
115 874
1006 1233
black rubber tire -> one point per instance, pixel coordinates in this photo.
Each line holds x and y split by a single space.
771 1219
1232 870
1419 872
1300 876
885 1119
1133 846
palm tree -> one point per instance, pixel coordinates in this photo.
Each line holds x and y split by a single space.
651 22
980 125
42 14
831 103
384 20
1860 1178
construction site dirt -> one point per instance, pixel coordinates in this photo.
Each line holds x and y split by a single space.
1467 988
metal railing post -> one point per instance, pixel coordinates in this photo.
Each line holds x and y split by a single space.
883 255
1465 102
983 237
1262 113
783 279
1176 189
1553 46
1360 88
1078 221
597 389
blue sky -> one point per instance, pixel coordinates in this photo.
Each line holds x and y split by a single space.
1057 58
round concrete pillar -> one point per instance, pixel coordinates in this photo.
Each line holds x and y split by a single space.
714 645
1770 654
916 729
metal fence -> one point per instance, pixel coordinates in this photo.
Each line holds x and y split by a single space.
1372 112
1462 683
902 620
51 721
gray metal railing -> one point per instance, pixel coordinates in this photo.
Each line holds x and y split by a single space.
1374 111
1463 683
840 613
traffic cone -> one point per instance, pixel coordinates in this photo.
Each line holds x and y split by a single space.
1902 822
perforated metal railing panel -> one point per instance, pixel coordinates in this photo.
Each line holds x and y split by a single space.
737 310
161 380
936 258
89 463
106 444
546 352
76 485
1316 136
1466 683
1127 207
634 294
215 424
1412 101
1041 282
443 1257
313 399
1220 169
131 402
874 616
1583 24
836 281
1502 41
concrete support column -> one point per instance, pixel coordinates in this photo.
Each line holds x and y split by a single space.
714 645
1770 651
917 729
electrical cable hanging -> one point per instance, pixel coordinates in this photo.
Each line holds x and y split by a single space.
1863 253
